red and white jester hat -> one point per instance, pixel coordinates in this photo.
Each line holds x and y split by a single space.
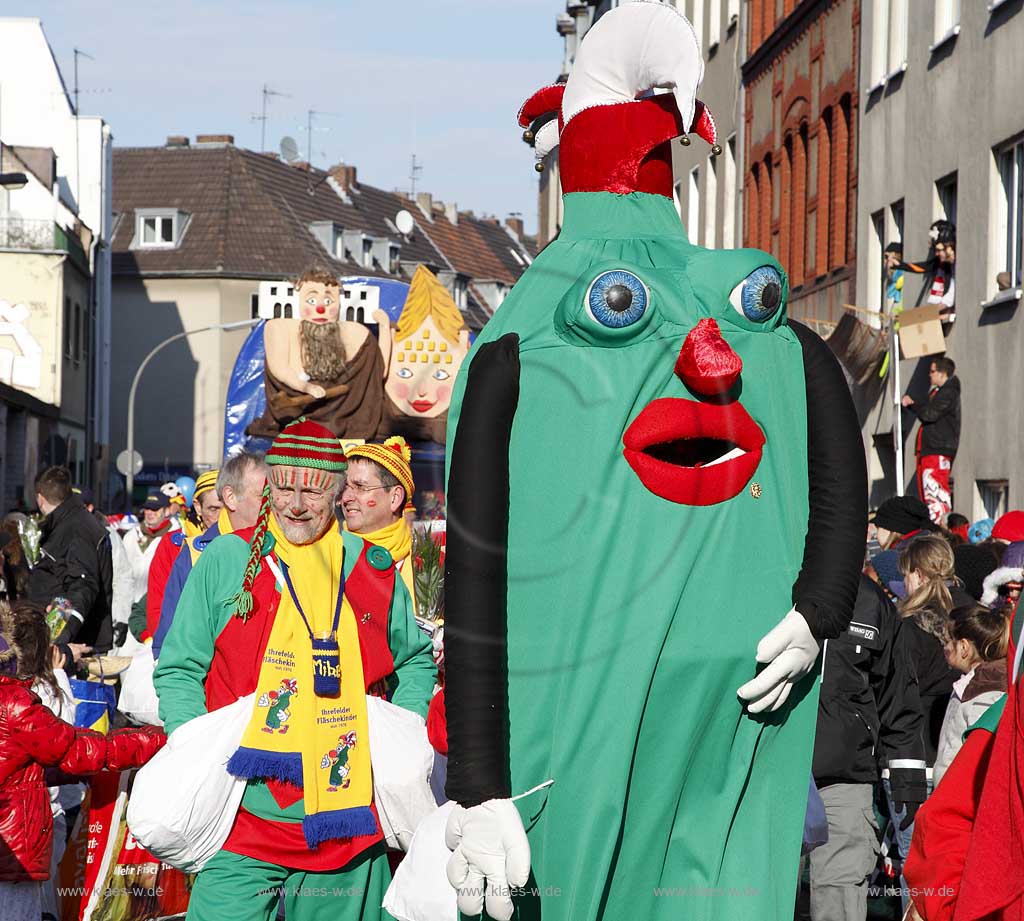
643 99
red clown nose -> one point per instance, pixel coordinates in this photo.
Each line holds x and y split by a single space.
706 363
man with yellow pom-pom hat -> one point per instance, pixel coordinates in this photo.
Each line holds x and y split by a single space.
378 485
318 620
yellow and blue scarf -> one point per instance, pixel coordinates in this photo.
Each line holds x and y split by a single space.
303 731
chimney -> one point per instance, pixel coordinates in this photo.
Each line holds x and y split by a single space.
426 203
515 223
177 140
214 140
451 211
344 175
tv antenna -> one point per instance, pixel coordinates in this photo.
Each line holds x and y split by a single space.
414 171
78 194
310 115
266 92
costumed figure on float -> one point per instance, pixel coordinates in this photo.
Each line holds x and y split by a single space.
319 366
657 498
422 357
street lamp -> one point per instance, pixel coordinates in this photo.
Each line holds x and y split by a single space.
13 181
130 475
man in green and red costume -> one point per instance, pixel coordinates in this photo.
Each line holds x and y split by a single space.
649 466
293 604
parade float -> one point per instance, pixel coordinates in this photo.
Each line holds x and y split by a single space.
366 357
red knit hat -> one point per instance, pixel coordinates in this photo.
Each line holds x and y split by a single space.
1010 527
307 444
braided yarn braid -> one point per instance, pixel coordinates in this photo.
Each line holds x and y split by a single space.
243 600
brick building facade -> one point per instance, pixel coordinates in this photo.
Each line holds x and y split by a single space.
800 147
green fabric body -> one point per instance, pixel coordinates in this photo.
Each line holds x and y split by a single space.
205 608
231 883
632 620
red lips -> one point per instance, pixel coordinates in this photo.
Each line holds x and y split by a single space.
422 406
673 443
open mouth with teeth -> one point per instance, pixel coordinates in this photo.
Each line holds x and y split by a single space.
693 453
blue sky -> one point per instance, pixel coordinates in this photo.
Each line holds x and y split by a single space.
445 76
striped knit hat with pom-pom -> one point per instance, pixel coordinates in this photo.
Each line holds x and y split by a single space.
301 444
394 456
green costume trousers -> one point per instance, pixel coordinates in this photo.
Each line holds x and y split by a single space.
236 888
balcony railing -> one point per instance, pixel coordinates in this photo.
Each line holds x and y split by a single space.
19 233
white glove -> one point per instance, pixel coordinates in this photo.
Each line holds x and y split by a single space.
791 652
490 848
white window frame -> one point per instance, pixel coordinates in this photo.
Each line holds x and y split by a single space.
732 12
941 186
1006 252
896 50
876 243
710 203
895 219
714 23
947 23
143 216
889 24
729 194
693 206
696 17
991 498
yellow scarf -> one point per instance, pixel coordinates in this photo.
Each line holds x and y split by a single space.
223 527
224 522
396 538
318 743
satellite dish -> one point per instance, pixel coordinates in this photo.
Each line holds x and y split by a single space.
289 149
404 222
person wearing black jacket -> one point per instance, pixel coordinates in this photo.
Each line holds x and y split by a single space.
75 565
938 437
869 719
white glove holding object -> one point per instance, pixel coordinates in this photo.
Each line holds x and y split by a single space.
790 650
490 849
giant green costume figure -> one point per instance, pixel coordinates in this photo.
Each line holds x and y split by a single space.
649 466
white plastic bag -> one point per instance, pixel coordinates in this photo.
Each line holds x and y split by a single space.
402 762
184 801
138 698
420 890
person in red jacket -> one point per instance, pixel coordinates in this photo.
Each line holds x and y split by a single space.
31 739
966 860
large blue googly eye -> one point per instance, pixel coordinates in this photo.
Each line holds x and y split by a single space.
617 299
759 296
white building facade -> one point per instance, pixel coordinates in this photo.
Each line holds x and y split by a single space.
942 136
55 264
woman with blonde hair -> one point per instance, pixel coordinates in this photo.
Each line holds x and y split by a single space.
926 564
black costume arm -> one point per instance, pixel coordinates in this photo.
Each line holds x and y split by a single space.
825 590
476 578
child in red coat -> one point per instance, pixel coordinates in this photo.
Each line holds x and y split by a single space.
31 739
